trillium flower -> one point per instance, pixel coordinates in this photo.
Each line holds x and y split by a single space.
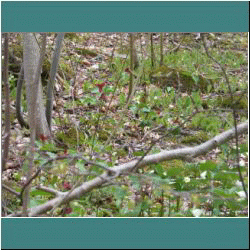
242 163
203 175
197 212
241 194
238 183
187 179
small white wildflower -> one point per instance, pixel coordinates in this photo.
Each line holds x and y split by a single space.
203 175
242 163
243 156
156 97
197 212
238 183
241 194
23 179
187 179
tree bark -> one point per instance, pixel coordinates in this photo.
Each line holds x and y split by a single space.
30 60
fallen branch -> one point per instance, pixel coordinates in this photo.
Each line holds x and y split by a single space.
126 168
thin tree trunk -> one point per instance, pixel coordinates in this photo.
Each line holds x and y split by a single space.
32 74
7 102
31 59
53 70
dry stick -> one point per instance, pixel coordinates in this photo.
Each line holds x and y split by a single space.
183 153
131 45
234 112
7 102
152 50
25 193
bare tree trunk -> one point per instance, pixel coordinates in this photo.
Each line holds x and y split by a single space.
31 59
7 102
53 70
32 74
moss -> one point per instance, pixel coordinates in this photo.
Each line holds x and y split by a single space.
165 76
71 36
122 152
103 135
239 102
199 137
174 164
82 51
70 137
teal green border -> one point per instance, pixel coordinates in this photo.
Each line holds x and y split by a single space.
116 232
158 233
125 16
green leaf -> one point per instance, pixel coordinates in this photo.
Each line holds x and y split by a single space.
138 153
135 182
36 192
95 90
49 147
208 165
159 170
146 109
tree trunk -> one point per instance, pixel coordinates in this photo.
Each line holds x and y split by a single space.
31 55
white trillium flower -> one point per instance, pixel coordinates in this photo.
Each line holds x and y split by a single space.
203 175
241 194
242 163
238 183
197 212
187 179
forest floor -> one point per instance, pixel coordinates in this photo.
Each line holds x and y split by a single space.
91 116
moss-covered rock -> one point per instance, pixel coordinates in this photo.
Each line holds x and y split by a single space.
239 102
164 76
